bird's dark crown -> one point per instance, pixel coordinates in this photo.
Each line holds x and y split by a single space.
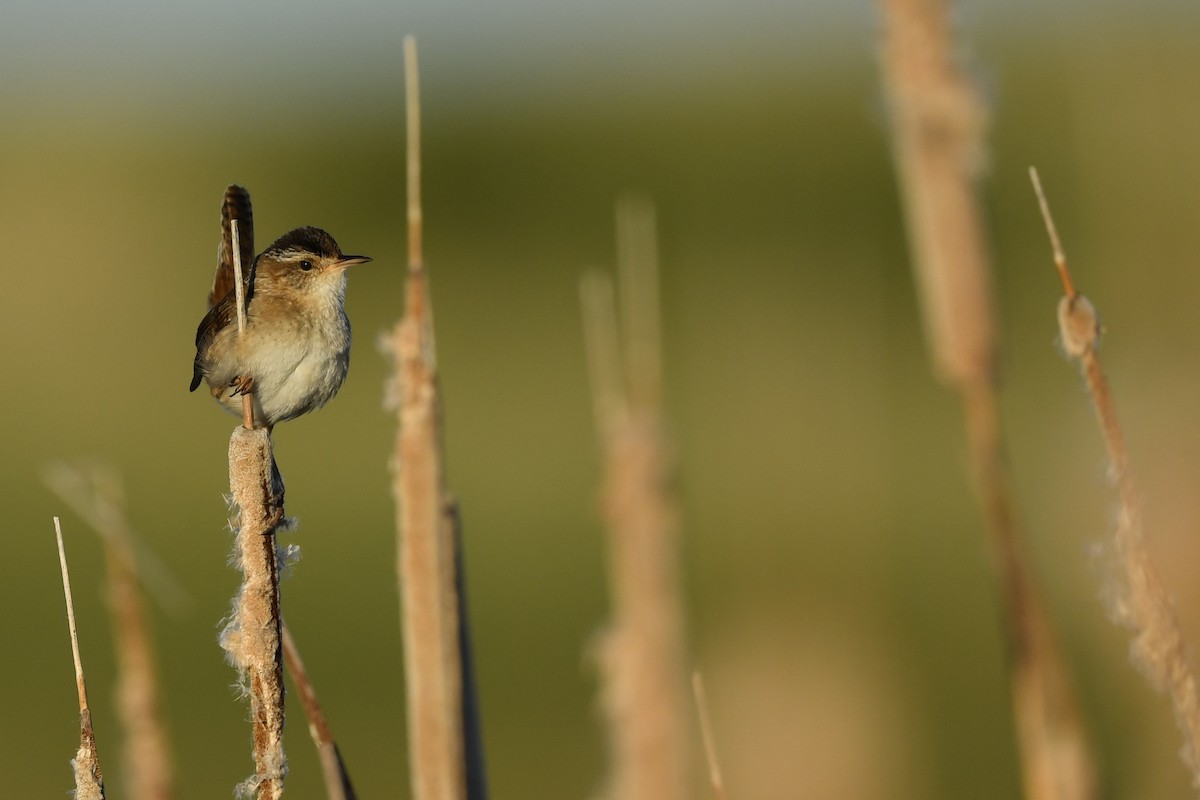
306 241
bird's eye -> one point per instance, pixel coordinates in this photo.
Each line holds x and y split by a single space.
306 265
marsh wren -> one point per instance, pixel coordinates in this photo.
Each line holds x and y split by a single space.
295 350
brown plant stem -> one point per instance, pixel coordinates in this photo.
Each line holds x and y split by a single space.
333 769
252 638
1143 603
937 137
89 780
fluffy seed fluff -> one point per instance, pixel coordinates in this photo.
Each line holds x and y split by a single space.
87 786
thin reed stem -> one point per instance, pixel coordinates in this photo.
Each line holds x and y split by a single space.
412 117
89 779
239 287
240 301
80 683
1060 258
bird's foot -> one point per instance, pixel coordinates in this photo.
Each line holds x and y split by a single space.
275 517
242 384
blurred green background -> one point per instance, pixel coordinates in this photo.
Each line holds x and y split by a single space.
837 580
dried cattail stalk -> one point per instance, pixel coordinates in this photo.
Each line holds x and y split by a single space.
333 769
252 638
146 759
426 532
642 652
1142 602
89 780
937 135
937 130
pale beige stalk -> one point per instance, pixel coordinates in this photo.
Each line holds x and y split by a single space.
937 140
937 136
239 290
89 780
1142 602
426 536
642 652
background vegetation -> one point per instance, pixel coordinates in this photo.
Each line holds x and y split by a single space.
840 602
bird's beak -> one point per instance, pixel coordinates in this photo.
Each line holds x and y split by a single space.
346 261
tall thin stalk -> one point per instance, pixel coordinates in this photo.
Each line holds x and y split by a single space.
445 754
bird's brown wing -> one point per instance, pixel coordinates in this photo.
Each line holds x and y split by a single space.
236 206
222 314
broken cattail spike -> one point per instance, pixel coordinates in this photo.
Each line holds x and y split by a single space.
1078 322
89 780
80 684
239 289
1060 258
412 116
238 286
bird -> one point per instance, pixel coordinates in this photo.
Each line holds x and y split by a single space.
294 353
